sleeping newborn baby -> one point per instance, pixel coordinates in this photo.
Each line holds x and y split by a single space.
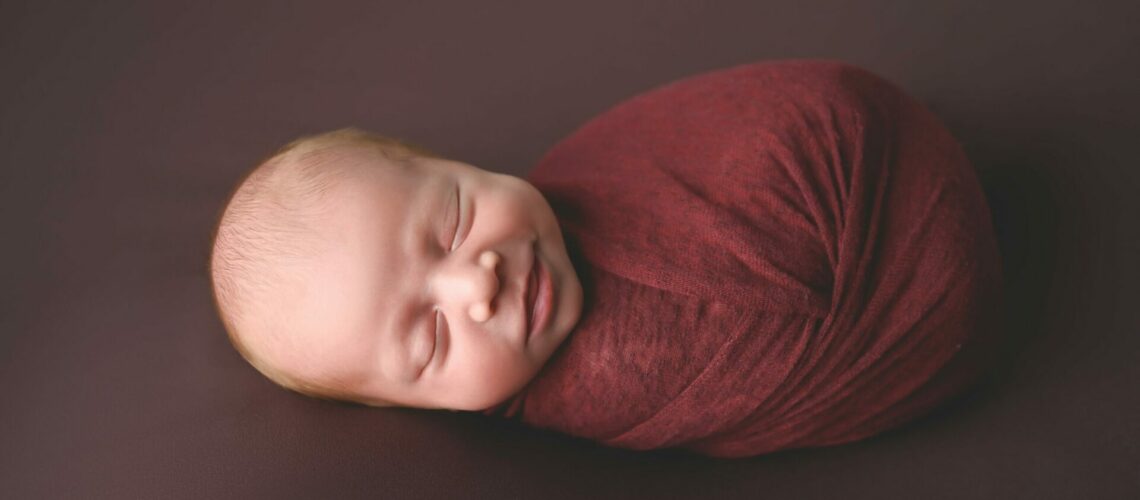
357 267
777 255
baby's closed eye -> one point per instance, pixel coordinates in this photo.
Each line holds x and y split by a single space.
455 221
434 340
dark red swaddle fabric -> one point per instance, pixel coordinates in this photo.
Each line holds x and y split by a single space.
776 255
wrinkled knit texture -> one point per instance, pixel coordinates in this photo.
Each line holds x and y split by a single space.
776 255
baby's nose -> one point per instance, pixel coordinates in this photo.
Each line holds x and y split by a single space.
469 285
480 309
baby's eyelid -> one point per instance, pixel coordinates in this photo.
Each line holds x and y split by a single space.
434 332
457 240
438 331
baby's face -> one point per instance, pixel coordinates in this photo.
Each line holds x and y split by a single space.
442 286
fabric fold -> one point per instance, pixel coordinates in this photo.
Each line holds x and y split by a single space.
776 255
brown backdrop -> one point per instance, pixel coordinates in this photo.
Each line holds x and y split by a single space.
123 125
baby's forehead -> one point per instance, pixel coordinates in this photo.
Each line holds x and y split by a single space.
330 172
405 180
370 165
387 192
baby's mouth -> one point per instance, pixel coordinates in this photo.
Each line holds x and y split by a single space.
540 299
530 295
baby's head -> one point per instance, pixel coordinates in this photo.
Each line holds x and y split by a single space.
355 267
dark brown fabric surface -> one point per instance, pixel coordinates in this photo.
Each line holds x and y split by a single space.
123 126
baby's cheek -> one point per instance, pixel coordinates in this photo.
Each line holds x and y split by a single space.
495 378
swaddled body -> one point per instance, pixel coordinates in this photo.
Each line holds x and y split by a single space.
773 256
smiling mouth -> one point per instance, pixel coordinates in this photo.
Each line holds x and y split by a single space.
539 299
530 294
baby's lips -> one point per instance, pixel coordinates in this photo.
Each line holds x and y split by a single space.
531 292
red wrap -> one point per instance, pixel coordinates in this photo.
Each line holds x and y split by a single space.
776 255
